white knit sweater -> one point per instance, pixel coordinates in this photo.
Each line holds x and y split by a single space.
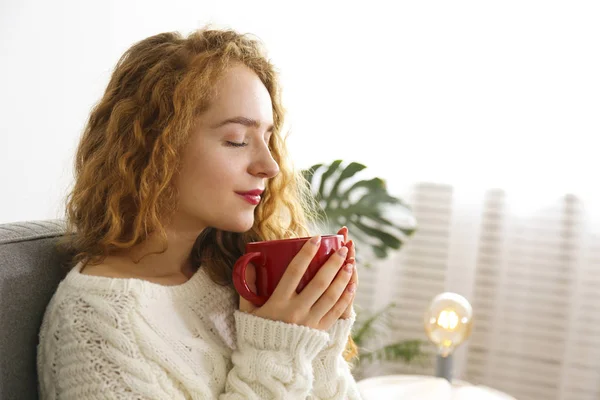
110 338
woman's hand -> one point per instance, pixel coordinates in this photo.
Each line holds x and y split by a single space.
351 260
322 301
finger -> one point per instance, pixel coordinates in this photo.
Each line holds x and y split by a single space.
344 232
348 311
352 260
286 287
351 250
353 280
323 278
344 302
333 293
355 276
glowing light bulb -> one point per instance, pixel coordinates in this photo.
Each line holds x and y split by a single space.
448 322
448 319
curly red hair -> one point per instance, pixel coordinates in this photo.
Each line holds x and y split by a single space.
129 153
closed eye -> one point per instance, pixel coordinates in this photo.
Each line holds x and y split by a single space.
235 144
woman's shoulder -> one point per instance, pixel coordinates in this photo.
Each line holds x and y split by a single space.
105 270
117 281
119 269
97 285
95 279
74 307
109 267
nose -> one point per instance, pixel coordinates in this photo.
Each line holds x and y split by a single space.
264 165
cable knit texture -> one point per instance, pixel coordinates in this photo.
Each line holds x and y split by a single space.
335 380
110 338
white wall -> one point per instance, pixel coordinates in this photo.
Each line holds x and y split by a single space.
474 93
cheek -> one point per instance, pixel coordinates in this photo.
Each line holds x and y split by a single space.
206 174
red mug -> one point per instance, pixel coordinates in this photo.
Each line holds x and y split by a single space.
271 259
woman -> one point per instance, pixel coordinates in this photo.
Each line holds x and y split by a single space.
174 159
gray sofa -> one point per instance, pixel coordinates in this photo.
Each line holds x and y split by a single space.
30 270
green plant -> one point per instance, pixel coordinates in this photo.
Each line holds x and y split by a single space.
362 205
372 325
358 204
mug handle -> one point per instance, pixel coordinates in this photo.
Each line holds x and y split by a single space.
239 279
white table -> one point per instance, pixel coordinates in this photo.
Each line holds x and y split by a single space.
418 387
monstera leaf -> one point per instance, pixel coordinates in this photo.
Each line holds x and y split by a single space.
361 205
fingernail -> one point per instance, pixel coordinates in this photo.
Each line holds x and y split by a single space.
343 251
352 287
351 260
349 268
315 239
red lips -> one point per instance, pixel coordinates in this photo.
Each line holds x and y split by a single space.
255 192
252 196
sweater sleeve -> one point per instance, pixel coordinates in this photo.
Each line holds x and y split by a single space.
273 360
91 348
333 379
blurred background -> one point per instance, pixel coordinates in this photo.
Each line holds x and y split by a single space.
482 116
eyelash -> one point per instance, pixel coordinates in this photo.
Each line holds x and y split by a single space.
234 144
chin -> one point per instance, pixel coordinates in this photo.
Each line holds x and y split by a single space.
240 225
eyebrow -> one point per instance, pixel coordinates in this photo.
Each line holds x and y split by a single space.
251 123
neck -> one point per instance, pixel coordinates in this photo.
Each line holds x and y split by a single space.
149 259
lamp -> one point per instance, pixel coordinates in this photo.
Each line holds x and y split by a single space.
448 323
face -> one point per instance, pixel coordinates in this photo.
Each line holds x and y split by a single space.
228 161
